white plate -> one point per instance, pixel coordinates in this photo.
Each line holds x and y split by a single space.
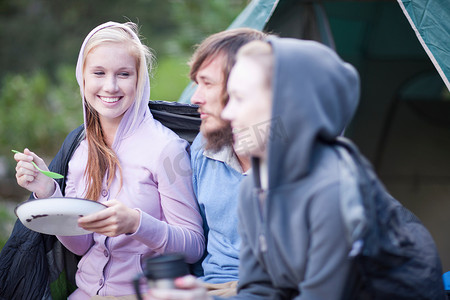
56 216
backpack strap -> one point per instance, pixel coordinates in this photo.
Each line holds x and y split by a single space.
60 163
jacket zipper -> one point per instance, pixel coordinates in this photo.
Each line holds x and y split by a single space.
261 196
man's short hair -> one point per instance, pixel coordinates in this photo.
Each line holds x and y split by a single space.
225 43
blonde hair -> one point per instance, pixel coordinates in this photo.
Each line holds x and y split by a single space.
260 52
102 159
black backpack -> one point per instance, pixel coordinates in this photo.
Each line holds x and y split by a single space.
394 256
182 118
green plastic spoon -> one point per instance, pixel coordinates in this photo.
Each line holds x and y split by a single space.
46 173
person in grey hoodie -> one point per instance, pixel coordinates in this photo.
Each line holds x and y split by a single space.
288 99
294 234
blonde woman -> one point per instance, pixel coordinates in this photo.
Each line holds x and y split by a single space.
121 162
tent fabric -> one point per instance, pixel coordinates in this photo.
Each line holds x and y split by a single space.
430 21
255 15
302 20
307 20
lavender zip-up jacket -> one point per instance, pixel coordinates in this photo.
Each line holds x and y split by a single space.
156 181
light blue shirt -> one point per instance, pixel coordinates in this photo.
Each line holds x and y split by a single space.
216 181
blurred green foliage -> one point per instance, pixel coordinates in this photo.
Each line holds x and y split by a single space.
6 223
170 78
197 19
39 96
42 34
37 112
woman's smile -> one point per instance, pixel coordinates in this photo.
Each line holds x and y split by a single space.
109 99
110 77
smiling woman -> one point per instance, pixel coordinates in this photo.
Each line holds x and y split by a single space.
110 76
118 160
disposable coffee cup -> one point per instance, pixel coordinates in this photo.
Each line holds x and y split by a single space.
161 271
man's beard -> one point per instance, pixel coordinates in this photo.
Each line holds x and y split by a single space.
219 138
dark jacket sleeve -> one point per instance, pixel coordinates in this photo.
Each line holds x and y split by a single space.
23 274
35 265
254 281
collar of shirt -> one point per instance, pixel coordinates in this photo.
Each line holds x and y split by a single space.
227 156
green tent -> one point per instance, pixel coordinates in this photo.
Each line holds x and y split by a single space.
430 21
401 50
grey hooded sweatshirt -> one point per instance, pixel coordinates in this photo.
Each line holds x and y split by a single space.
293 235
